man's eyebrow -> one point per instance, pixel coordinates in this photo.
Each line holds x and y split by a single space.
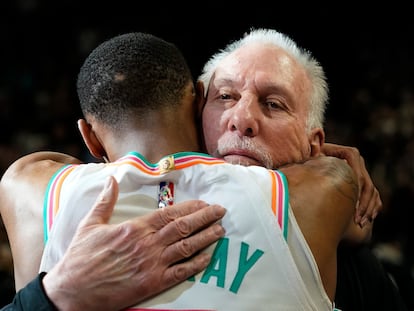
225 81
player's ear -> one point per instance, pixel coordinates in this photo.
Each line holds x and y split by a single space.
91 141
316 140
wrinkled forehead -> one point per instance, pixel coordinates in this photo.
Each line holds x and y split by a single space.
255 58
265 63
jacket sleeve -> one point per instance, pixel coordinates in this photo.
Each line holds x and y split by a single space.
31 297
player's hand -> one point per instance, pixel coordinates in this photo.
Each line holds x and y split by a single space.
369 203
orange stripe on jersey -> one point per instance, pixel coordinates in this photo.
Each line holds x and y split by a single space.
280 199
51 203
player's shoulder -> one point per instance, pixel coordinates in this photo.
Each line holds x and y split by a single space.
330 169
321 181
38 163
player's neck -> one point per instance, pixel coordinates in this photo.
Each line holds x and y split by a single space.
154 144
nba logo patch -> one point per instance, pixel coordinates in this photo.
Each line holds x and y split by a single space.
165 194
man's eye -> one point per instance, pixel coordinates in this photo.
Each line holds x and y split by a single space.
273 105
224 96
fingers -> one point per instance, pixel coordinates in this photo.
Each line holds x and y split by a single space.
188 224
166 215
370 203
191 233
182 271
366 189
104 205
189 246
370 206
365 206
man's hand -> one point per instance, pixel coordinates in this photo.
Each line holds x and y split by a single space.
122 264
369 203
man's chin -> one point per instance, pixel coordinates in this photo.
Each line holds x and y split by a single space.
241 160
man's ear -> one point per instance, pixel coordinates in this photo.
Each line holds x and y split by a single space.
316 140
200 102
200 99
90 139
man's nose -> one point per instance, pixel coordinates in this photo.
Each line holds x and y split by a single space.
244 118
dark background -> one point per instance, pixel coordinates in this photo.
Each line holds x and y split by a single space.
367 54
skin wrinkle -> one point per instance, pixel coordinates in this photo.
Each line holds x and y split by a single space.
243 90
346 174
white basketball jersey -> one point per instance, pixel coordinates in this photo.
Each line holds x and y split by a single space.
252 266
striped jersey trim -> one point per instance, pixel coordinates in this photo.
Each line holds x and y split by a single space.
280 196
181 161
151 309
51 202
280 200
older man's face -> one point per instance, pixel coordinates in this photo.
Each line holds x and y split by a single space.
256 108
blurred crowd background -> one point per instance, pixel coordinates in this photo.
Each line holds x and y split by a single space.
368 58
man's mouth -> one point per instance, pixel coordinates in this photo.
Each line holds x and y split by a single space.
242 158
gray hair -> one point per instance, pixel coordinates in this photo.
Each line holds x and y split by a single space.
320 93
